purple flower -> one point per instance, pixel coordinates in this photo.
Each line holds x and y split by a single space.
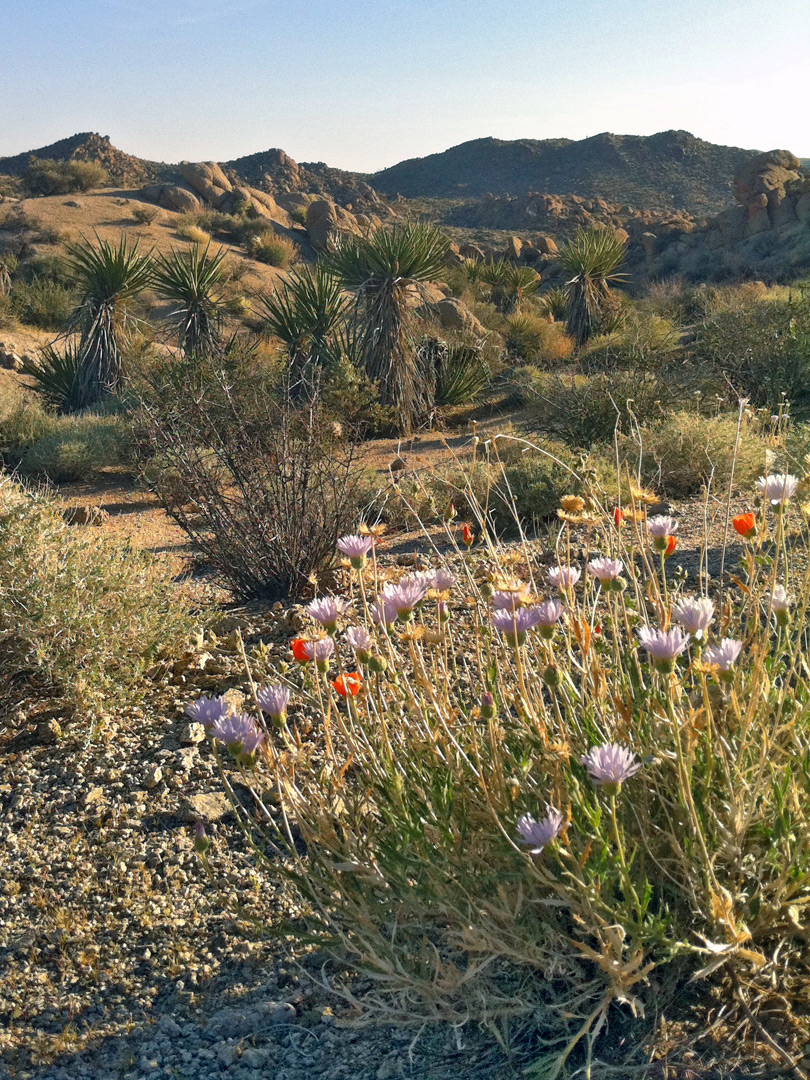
563 577
663 646
405 595
327 609
723 657
503 600
547 615
777 487
360 641
383 613
515 624
207 710
537 834
695 616
610 765
606 570
487 706
319 650
239 733
274 700
779 605
661 527
442 580
355 548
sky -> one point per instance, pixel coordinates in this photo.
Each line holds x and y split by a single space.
363 84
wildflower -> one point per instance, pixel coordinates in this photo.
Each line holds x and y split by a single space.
349 684
723 657
201 841
618 516
672 543
405 595
745 524
572 504
449 513
383 613
356 549
777 488
538 834
274 700
467 535
663 646
359 640
508 601
326 610
780 605
240 734
514 625
695 616
442 580
299 651
774 419
563 577
662 530
443 611
644 496
547 615
320 651
608 572
487 706
610 765
207 710
551 676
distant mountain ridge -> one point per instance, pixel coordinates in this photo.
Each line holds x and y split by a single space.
672 170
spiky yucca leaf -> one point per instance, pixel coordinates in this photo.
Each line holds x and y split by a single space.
414 252
462 375
593 259
191 280
57 376
108 278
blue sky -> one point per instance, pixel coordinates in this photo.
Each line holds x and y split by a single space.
364 83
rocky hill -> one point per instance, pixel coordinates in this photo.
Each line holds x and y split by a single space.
276 173
669 171
122 168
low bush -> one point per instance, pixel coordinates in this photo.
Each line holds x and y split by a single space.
145 214
47 177
273 249
85 614
533 338
685 450
78 447
194 234
43 302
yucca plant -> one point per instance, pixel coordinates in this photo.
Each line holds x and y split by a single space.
511 284
8 264
387 271
462 372
304 315
593 259
192 280
554 302
473 270
58 376
108 278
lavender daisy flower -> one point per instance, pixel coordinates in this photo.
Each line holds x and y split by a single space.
663 646
320 651
695 616
610 765
723 657
514 625
777 488
360 642
608 572
405 595
547 615
355 548
779 605
383 613
563 577
662 529
207 710
274 700
326 610
239 733
507 601
538 834
442 580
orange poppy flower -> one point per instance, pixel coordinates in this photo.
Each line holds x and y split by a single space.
617 517
299 652
467 535
745 524
672 543
348 684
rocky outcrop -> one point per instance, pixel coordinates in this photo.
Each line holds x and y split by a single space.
326 221
205 184
206 178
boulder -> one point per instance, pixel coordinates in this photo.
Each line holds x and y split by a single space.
9 360
764 173
293 201
206 178
782 211
731 222
545 244
326 221
454 315
471 251
513 249
180 199
648 241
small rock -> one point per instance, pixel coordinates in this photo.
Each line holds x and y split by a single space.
208 807
154 777
193 734
186 758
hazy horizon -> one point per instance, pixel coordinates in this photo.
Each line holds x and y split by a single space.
363 87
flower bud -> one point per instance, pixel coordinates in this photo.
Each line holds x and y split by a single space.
377 664
488 710
201 841
551 677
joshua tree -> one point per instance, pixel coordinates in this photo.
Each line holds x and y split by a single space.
108 278
387 271
593 258
191 280
304 314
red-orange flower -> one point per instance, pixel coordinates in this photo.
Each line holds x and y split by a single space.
672 543
745 524
617 517
348 684
299 651
467 535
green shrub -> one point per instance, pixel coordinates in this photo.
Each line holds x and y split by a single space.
532 337
194 234
79 447
144 214
273 249
763 349
43 303
88 615
681 452
47 177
